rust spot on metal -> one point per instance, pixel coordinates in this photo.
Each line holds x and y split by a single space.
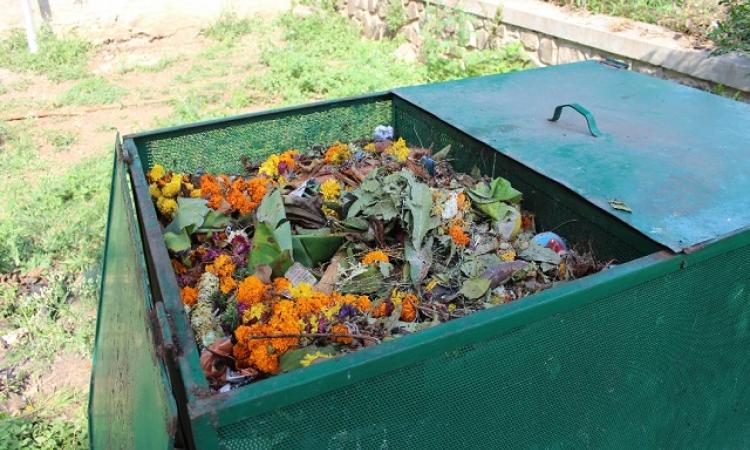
693 248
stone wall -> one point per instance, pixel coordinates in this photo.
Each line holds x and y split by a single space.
551 36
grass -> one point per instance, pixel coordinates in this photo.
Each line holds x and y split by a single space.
686 16
60 139
59 57
733 32
158 66
229 27
91 91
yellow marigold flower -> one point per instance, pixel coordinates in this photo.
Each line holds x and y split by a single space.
331 311
312 357
156 173
154 190
370 147
328 212
255 312
270 167
330 189
375 256
301 290
196 193
167 206
172 188
337 153
508 255
398 149
431 285
451 307
251 290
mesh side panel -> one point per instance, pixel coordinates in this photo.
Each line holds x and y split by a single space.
552 211
663 364
218 148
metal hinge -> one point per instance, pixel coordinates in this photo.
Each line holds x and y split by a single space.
122 153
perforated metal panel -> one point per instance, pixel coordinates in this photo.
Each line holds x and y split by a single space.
218 146
662 364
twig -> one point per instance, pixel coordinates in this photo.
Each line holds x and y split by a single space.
43 115
312 335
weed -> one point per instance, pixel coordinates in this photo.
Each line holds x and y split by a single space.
155 67
733 33
686 16
91 91
61 139
59 57
395 16
198 72
42 433
229 27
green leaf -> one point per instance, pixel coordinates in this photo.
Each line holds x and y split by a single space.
271 212
311 250
177 241
442 154
266 251
489 198
419 261
474 288
363 281
420 205
215 220
190 215
535 252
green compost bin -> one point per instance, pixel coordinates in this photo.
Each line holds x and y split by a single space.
653 352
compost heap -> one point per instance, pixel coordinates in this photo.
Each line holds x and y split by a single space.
319 253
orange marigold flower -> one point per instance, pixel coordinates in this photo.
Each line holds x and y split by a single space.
461 200
239 201
312 304
209 186
409 308
340 328
189 295
227 285
178 267
375 256
381 310
222 266
215 201
251 290
458 236
264 361
363 303
256 188
337 153
281 285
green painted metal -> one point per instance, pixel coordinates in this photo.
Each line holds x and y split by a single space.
676 155
131 403
590 121
648 353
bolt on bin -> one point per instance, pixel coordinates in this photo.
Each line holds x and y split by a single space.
651 352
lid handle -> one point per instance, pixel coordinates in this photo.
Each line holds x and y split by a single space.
584 112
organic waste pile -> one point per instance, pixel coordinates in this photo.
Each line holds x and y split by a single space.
319 253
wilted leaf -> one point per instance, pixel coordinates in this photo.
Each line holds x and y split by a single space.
442 154
500 273
620 205
537 253
490 198
474 288
419 261
292 359
266 251
311 250
365 281
271 212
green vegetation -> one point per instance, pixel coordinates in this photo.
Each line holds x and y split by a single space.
61 139
91 91
395 15
43 433
229 27
733 33
158 66
59 57
686 16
